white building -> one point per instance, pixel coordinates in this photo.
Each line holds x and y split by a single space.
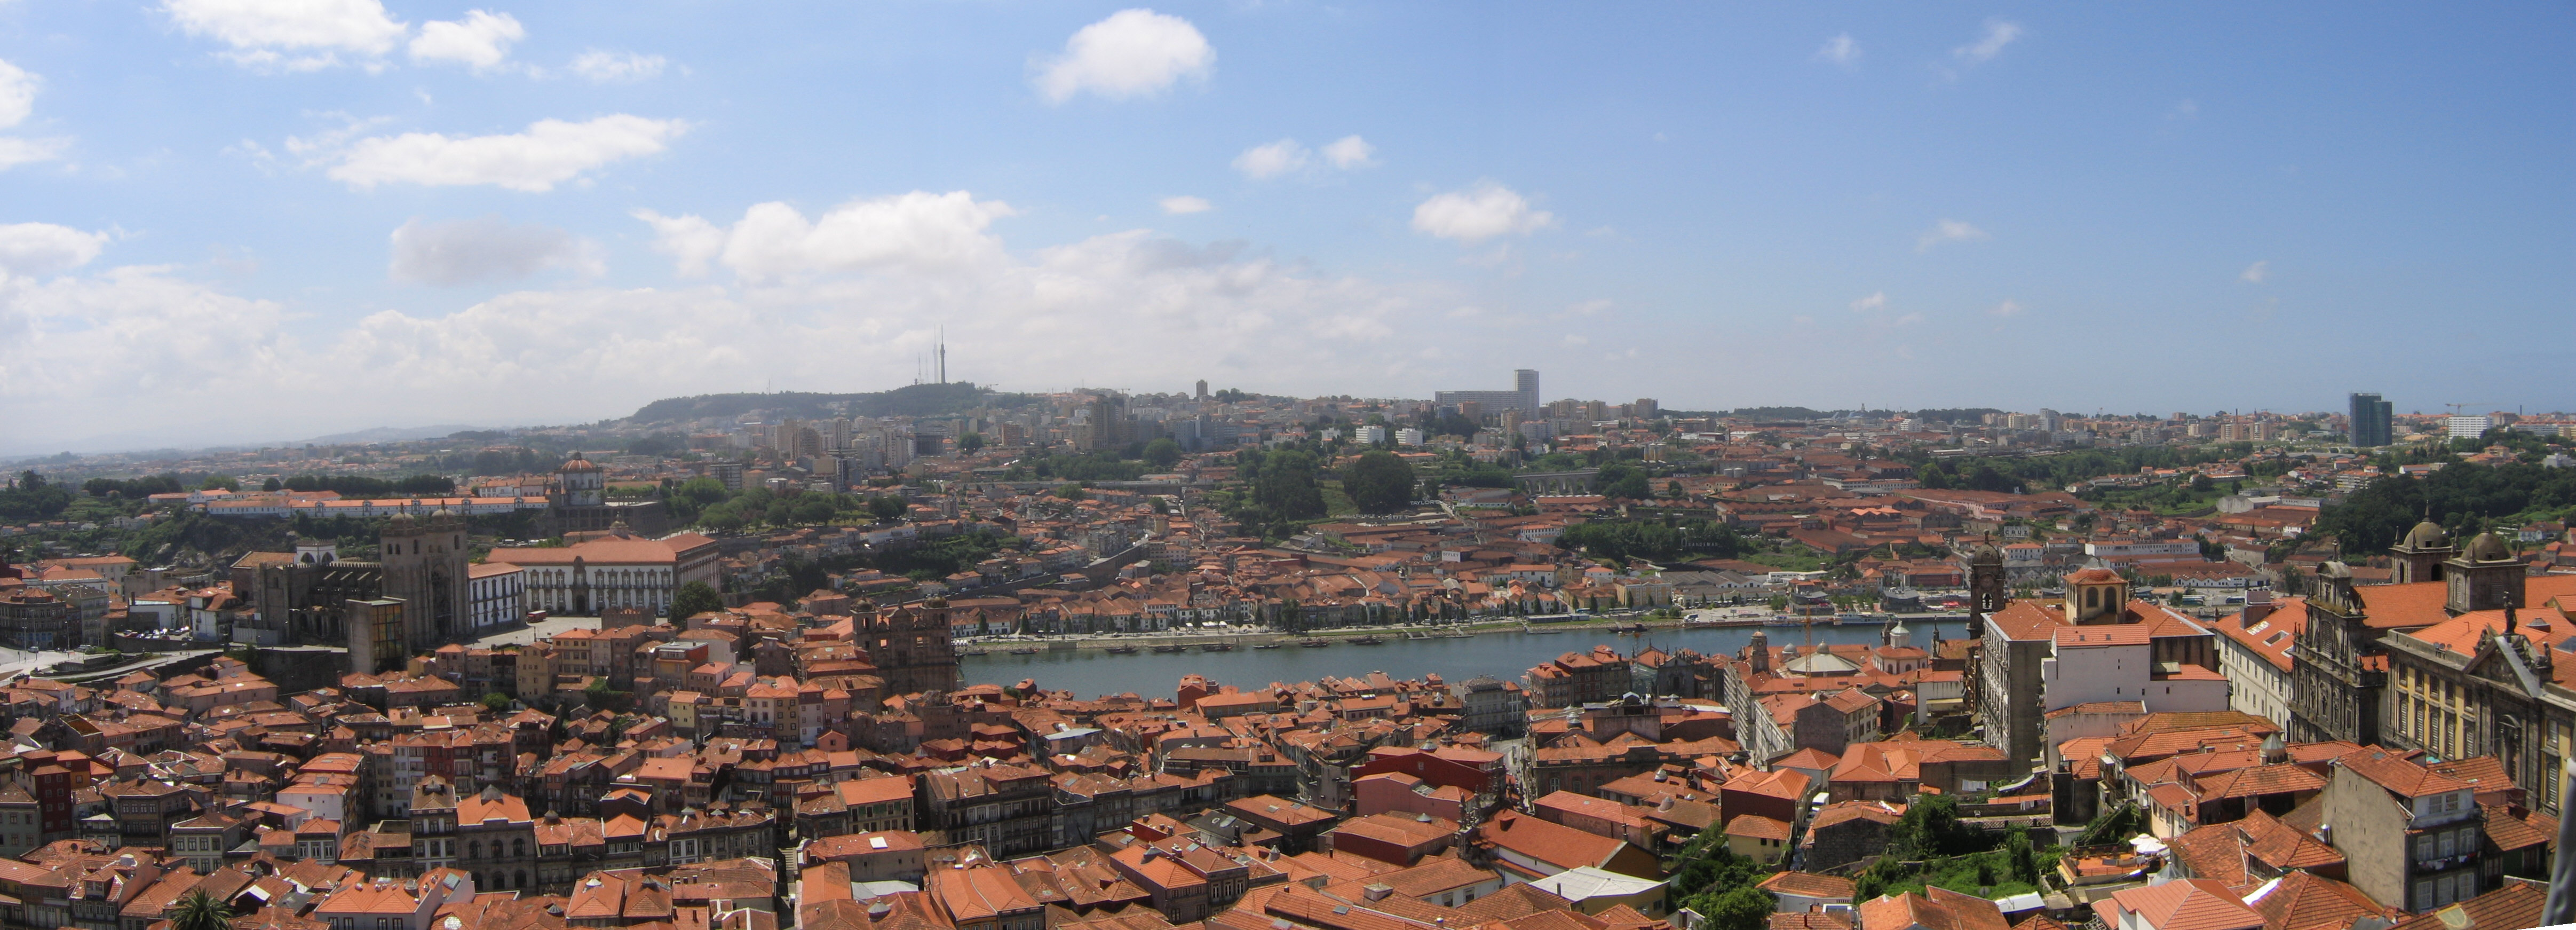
618 569
1408 436
1372 434
495 594
2470 427
2254 653
2098 677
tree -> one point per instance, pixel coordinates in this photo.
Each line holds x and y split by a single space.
888 508
1744 907
971 442
1286 486
497 703
2024 861
1380 482
271 484
693 599
198 910
1073 492
1626 482
1162 453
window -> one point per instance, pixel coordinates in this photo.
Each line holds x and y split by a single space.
2423 895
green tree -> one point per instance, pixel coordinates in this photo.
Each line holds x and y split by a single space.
1625 482
1286 486
704 491
497 703
1743 907
971 442
1379 482
1162 453
198 910
695 598
888 508
271 484
1073 492
2024 861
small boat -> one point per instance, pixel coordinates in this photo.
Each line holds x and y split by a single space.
1628 628
1314 643
1368 641
1266 645
1024 651
1216 647
976 652
1120 650
1170 647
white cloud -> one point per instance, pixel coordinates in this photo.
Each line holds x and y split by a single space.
1948 230
1132 53
106 341
1840 50
1178 206
17 94
1262 162
1999 33
1594 307
1479 213
2007 308
1575 340
1909 319
1349 152
918 232
617 67
17 102
481 40
44 248
2255 273
1346 326
485 249
294 35
691 241
549 153
15 152
1874 301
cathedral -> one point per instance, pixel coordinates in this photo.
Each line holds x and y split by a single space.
912 647
580 504
414 593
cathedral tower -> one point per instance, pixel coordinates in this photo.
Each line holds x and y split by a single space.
2485 576
2421 553
1985 585
424 566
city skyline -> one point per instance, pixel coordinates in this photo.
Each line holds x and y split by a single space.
230 224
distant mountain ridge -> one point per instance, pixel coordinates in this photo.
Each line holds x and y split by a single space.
914 400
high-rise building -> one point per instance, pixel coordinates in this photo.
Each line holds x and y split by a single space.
2470 426
2371 419
1203 394
1523 396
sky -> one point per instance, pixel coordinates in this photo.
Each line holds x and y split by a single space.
245 220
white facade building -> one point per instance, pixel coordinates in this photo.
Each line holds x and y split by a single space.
495 594
616 570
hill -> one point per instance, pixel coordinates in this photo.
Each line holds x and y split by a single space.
915 400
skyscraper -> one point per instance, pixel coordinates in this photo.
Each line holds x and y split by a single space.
1522 397
2370 420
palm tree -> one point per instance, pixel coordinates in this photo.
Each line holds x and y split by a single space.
198 910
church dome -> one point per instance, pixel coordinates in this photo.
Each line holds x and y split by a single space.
1821 662
2427 535
577 463
1986 554
2488 548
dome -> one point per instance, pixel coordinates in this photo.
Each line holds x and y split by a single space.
1821 662
2427 535
1986 554
400 521
2488 548
577 463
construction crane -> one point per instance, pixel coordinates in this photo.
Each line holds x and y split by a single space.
2458 409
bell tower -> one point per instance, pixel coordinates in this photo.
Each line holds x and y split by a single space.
2421 553
2485 576
1985 583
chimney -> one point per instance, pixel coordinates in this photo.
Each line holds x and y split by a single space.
1377 891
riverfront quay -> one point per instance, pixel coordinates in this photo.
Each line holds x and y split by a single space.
1090 672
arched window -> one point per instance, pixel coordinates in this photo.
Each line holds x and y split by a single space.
519 849
474 850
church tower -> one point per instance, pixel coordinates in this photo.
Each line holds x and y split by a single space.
2421 553
1985 585
2096 595
2485 576
584 485
424 565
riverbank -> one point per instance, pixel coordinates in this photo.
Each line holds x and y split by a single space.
1244 638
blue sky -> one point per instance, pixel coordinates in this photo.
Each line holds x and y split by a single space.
230 220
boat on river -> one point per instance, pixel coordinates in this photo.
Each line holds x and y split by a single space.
1368 641
1170 647
1120 650
1024 652
1267 645
1216 647
1314 643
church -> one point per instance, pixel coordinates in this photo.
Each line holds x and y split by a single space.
580 504
417 584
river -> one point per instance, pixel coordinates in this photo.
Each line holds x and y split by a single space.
1090 672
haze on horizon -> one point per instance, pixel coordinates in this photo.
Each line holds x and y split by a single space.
259 220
